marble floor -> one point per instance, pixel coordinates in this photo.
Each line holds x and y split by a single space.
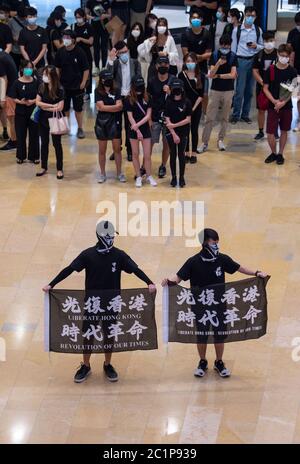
44 223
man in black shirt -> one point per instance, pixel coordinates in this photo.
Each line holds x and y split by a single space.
6 39
294 40
103 265
208 268
223 72
209 8
73 68
33 40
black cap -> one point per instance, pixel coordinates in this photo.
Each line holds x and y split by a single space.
163 59
106 75
138 81
176 84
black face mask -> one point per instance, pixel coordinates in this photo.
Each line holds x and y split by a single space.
140 90
176 92
108 83
163 70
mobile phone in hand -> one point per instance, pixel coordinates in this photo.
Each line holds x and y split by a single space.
249 44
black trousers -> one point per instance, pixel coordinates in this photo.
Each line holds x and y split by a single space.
101 37
17 59
24 125
56 140
195 121
177 150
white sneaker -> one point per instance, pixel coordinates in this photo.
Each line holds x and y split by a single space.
95 71
138 182
102 179
151 181
121 177
297 128
202 148
221 145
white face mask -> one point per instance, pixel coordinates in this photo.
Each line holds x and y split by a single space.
79 20
135 33
269 45
46 79
2 16
161 29
283 59
229 19
67 42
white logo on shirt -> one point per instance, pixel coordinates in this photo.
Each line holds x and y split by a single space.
111 96
23 88
75 60
39 35
180 109
218 272
113 267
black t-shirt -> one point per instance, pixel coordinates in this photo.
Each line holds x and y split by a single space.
93 7
223 85
190 88
197 43
27 90
294 40
139 111
139 6
5 36
282 76
85 32
158 96
52 101
33 42
108 99
262 62
72 64
119 5
103 270
178 110
203 273
8 69
208 14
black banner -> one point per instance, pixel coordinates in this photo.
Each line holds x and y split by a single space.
79 321
221 313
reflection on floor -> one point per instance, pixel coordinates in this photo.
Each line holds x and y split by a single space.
44 223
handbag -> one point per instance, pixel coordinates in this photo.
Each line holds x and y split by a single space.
35 115
59 124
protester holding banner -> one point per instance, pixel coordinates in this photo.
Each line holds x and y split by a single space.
208 267
103 264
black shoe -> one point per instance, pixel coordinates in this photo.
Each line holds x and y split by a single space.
41 173
181 182
221 369
193 159
143 171
10 145
259 136
110 373
234 120
60 177
112 157
82 373
201 369
5 135
246 119
280 159
162 171
129 157
173 182
187 159
272 157
20 161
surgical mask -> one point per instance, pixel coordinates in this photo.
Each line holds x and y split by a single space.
105 243
269 45
196 22
224 51
214 248
2 16
163 70
229 19
80 20
27 71
219 15
161 29
191 66
135 33
45 79
124 58
32 21
283 59
249 20
67 42
152 24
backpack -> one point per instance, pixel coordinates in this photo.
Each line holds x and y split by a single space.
238 34
231 56
262 99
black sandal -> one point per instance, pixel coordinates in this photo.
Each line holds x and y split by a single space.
19 161
41 173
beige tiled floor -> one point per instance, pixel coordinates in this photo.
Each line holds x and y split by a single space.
45 223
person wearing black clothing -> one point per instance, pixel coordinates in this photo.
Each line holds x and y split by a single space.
178 119
103 265
120 8
33 40
6 38
73 68
55 28
139 9
150 25
24 91
209 8
50 99
191 78
208 267
159 89
261 64
99 12
85 39
197 39
16 24
9 72
135 38
294 40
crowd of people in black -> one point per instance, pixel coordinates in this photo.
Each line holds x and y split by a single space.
143 80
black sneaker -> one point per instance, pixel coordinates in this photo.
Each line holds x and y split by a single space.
82 373
5 135
259 136
193 159
173 182
280 159
187 159
181 182
234 120
110 373
112 157
10 145
201 369
162 171
246 119
272 157
221 369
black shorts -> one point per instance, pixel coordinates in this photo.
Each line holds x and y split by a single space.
145 130
76 96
